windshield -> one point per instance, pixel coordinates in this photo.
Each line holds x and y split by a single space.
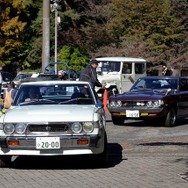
108 66
158 83
22 76
54 94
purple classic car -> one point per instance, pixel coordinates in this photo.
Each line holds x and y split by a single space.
163 98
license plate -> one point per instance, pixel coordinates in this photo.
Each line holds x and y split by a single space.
47 142
132 113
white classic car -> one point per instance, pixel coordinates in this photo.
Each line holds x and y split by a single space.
53 118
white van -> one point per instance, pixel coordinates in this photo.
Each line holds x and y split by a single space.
119 73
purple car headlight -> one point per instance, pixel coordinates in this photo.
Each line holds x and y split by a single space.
154 104
115 103
119 103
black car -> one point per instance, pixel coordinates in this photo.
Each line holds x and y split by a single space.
163 98
54 69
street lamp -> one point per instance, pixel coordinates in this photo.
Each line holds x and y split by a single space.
54 8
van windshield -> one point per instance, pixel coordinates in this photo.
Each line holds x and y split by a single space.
108 66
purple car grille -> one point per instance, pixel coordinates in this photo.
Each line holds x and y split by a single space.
48 128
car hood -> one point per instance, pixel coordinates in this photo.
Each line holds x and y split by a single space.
147 95
51 113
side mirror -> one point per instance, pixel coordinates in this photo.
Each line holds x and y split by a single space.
99 106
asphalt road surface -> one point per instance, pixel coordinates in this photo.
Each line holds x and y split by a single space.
141 155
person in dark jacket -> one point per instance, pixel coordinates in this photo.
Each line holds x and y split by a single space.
165 70
89 74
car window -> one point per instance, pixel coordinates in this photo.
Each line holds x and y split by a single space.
54 94
155 84
108 66
139 68
183 85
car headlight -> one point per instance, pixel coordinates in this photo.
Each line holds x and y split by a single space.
115 103
119 103
88 127
76 127
9 128
20 128
112 104
149 104
158 103
154 104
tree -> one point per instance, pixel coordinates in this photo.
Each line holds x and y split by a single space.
74 57
150 22
15 18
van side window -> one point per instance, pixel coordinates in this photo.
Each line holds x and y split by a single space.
139 68
127 68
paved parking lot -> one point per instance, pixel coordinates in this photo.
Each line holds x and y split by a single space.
139 157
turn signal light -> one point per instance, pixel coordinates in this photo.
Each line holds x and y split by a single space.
13 143
152 115
82 142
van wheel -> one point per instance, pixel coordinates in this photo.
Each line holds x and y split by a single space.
118 120
5 161
171 117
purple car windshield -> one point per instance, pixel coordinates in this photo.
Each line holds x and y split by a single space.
155 84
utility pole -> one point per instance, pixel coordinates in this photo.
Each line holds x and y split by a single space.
55 9
46 34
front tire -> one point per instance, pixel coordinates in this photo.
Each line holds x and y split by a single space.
118 120
171 117
102 158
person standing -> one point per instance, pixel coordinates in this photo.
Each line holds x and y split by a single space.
126 69
174 71
165 71
89 74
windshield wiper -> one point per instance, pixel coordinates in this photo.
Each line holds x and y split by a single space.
36 101
71 101
137 89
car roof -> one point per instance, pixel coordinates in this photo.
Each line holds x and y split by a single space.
123 59
162 77
54 82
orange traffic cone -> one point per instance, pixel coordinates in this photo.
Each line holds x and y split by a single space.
105 99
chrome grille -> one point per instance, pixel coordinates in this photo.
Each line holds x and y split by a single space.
48 127
132 103
128 103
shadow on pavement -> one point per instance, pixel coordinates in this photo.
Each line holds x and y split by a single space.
183 175
68 162
152 123
164 144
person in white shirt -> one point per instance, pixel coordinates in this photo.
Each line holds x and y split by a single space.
174 71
